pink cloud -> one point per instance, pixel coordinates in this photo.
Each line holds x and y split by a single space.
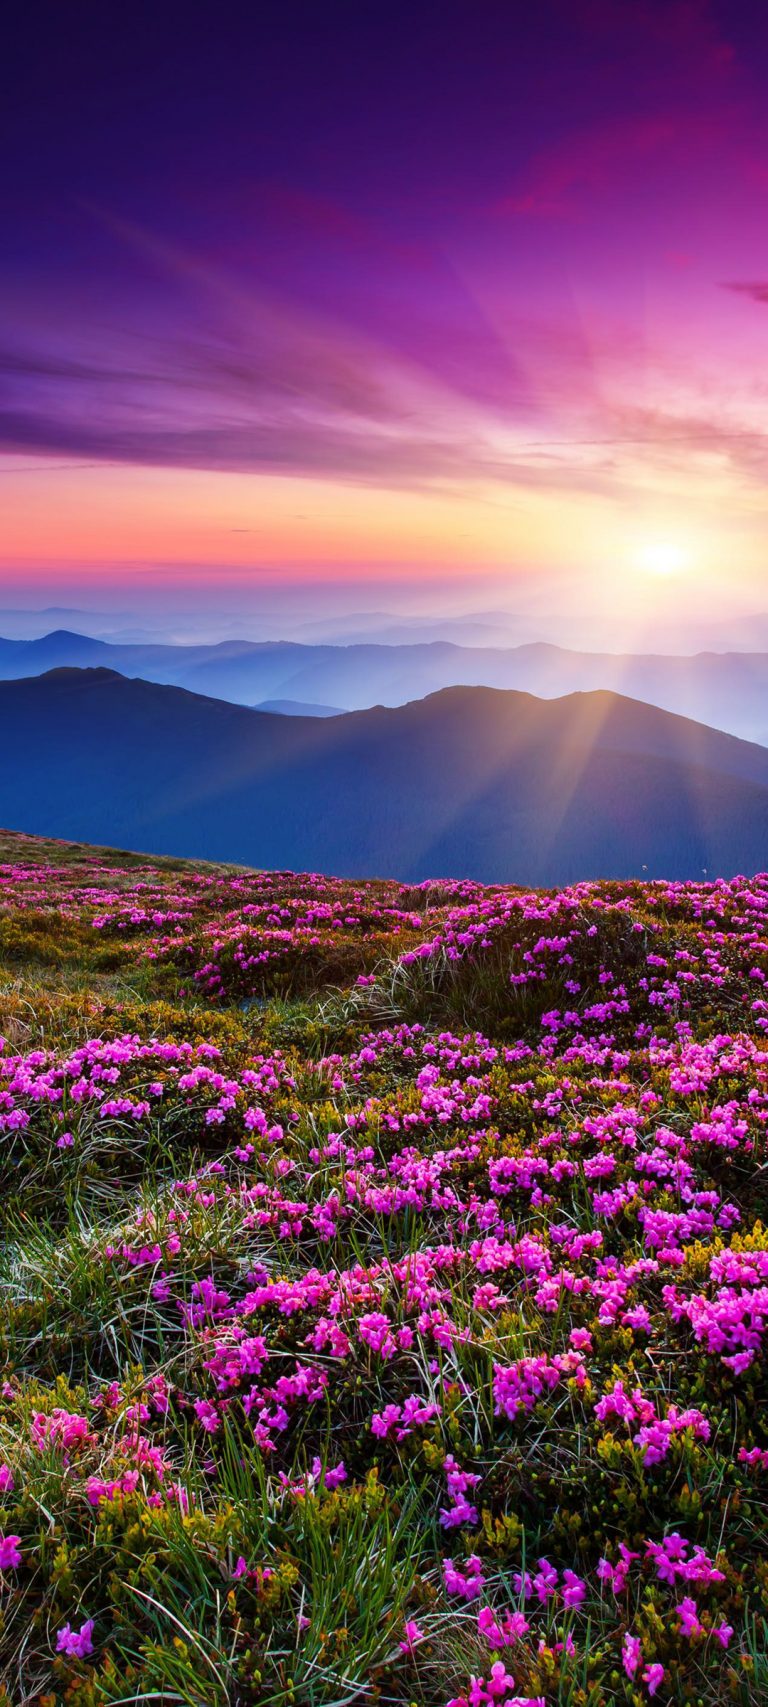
559 180
564 181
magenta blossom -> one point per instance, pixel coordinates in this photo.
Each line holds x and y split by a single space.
631 1654
77 1643
10 1555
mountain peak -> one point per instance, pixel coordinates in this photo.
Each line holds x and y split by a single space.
77 673
492 784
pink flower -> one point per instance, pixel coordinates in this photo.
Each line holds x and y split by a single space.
631 1654
460 1510
10 1556
62 1429
574 1590
616 1575
467 1582
207 1415
6 1479
723 1633
756 1456
688 1615
411 1635
545 1581
503 1632
653 1676
500 1681
76 1643
332 1476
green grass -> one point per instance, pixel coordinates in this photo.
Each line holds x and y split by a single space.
427 1134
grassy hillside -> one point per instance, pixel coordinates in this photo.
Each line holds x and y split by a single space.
383 1288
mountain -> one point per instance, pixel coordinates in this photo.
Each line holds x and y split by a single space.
63 646
726 690
467 782
383 628
298 708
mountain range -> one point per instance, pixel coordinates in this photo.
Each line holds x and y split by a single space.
298 708
728 690
496 785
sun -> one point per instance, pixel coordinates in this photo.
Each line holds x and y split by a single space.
662 557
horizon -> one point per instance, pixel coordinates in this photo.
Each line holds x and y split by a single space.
430 313
30 627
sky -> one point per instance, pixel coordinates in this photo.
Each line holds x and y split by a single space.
441 308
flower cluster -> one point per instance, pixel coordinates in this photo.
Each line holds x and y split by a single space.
415 1338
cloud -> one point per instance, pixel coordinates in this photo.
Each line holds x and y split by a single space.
681 441
673 129
274 392
225 411
245 385
756 290
238 383
561 179
240 369
410 459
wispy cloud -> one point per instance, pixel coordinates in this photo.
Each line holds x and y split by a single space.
247 384
350 414
756 289
564 180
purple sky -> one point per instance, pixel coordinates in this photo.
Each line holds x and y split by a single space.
468 293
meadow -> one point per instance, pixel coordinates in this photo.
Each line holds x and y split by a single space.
383 1288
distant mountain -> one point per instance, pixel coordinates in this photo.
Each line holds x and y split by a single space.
495 785
726 690
298 708
484 628
61 647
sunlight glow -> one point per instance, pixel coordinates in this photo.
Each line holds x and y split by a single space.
662 557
